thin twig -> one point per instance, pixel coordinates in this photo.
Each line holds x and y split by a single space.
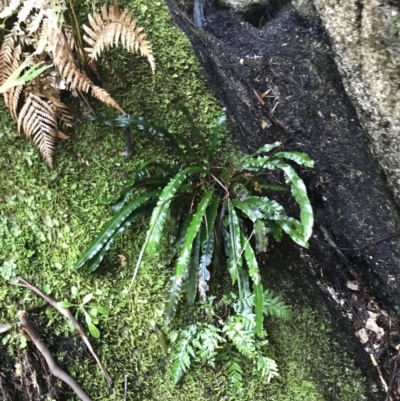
26 325
67 313
222 185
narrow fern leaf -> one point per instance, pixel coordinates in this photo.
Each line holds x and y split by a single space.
192 231
259 163
136 215
259 309
300 158
272 210
256 163
137 180
183 226
211 215
251 261
299 192
94 263
254 273
173 298
114 224
160 212
276 230
235 257
154 183
252 213
205 261
171 140
260 234
293 228
267 148
191 288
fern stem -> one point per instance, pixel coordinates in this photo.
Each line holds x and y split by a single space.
222 185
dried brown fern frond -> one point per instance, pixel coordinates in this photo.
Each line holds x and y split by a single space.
15 62
112 27
6 56
54 42
29 6
8 8
45 87
37 119
37 105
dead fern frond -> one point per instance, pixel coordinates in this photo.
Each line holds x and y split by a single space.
8 8
42 36
37 120
6 57
27 8
35 22
112 27
14 100
15 63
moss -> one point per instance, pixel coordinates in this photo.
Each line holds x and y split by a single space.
48 217
394 25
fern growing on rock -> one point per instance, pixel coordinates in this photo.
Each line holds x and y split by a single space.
221 219
36 105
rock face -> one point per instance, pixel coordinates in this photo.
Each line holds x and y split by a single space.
366 42
365 35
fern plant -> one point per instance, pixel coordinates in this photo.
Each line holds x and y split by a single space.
221 218
225 335
40 35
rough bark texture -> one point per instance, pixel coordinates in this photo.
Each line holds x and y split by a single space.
365 39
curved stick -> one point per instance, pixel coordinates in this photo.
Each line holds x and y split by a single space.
26 325
22 282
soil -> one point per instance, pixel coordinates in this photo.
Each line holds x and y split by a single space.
278 81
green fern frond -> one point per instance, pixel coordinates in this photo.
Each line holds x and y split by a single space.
232 367
299 192
274 306
267 367
208 342
260 235
193 279
173 297
184 353
191 233
241 338
205 261
159 215
235 256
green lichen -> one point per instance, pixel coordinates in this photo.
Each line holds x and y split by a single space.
48 217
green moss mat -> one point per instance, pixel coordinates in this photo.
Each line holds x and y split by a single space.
48 217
